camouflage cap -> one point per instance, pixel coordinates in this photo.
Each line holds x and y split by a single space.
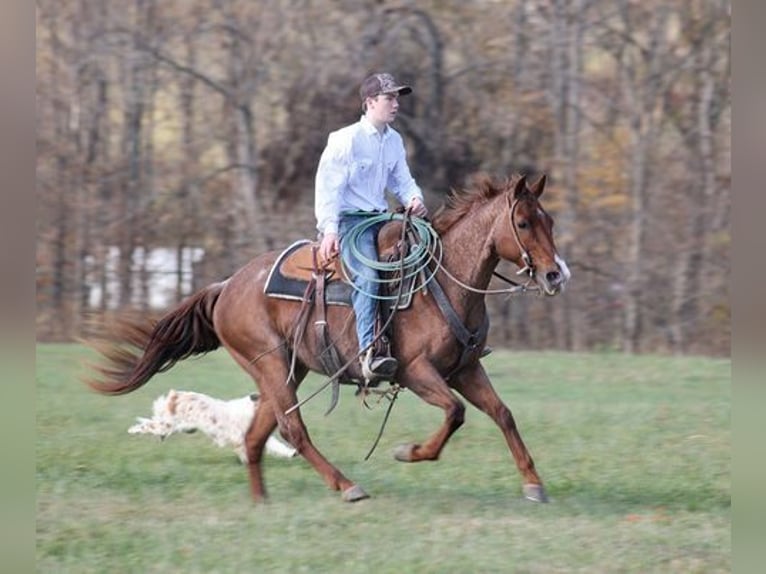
381 84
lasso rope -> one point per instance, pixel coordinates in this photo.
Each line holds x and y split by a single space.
416 259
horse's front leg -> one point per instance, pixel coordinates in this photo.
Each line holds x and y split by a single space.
426 382
474 384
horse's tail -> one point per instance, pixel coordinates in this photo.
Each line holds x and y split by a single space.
185 331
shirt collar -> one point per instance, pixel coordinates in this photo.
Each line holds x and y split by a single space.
370 129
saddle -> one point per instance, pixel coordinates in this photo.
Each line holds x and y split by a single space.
297 275
295 268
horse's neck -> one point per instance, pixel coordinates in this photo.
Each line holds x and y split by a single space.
469 259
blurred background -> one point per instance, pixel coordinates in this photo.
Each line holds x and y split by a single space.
176 139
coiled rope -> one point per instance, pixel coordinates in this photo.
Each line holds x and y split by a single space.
419 254
416 261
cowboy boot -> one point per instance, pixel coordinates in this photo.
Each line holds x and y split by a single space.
376 368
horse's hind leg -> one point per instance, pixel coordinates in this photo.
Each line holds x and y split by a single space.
271 372
264 423
475 386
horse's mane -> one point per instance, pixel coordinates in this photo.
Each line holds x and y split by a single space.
460 201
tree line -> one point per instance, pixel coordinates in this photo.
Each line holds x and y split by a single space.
190 127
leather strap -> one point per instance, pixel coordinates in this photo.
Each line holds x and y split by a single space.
327 352
468 340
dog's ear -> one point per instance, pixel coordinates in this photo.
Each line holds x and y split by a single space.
255 397
172 400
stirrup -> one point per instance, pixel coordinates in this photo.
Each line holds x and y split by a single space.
376 369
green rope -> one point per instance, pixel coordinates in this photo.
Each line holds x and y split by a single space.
420 253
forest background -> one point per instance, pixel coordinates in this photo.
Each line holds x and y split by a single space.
178 139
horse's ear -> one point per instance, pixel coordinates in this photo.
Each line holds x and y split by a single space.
538 187
519 186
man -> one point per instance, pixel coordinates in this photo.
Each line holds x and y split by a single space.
358 164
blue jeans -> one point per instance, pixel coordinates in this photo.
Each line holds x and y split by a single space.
365 278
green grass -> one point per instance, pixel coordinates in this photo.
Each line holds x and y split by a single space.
634 452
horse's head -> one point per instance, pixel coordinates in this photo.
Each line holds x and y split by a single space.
525 236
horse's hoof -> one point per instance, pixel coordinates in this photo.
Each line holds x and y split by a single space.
403 452
354 494
535 493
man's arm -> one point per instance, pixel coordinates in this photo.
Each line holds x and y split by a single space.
403 185
331 178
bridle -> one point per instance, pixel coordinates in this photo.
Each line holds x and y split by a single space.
529 268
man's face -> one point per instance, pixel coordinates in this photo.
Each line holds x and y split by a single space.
382 108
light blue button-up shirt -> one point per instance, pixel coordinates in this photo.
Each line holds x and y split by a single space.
357 166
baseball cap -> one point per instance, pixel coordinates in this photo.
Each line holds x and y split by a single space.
381 84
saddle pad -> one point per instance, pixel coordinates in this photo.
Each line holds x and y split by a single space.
292 271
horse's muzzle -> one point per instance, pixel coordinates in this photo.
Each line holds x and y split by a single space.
553 281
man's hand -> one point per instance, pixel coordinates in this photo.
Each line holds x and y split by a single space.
417 208
329 247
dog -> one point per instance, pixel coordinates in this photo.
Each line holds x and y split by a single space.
225 422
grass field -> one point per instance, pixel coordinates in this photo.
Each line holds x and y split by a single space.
635 453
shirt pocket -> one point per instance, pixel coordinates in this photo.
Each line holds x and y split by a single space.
361 172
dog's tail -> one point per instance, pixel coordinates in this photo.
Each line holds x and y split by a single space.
185 331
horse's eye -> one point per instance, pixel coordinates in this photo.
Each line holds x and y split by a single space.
522 224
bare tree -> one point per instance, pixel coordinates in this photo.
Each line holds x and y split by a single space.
568 22
643 71
706 30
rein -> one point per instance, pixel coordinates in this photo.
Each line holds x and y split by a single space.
429 249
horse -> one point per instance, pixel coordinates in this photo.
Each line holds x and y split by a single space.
438 348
